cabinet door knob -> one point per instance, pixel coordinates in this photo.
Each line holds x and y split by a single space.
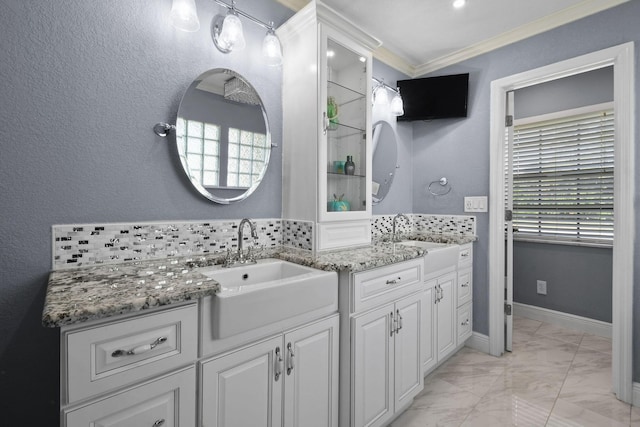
140 349
158 423
291 359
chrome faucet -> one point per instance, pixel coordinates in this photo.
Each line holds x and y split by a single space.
394 237
254 234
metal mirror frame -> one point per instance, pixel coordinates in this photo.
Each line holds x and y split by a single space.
268 145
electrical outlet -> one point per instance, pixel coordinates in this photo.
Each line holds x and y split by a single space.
542 287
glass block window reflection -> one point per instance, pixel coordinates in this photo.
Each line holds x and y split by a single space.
199 147
247 153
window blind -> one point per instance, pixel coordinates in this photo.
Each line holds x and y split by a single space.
563 178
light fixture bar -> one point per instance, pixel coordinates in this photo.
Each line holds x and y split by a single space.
233 7
383 84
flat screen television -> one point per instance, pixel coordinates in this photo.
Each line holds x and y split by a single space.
434 97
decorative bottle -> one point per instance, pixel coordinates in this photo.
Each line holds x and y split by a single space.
349 166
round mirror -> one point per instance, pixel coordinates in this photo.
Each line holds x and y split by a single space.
223 136
385 156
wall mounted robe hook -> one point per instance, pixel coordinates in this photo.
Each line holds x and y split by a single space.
162 129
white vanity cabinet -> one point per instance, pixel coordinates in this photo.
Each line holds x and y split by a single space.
287 380
326 94
448 319
381 334
132 370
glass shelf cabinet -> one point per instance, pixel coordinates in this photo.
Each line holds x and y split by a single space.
327 126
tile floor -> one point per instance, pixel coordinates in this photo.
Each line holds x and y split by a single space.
554 377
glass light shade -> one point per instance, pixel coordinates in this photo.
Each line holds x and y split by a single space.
397 106
231 36
184 15
271 49
380 96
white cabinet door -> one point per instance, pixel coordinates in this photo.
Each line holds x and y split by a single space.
167 401
429 355
244 388
311 375
372 364
408 355
446 315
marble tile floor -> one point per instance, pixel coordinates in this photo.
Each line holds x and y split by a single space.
555 377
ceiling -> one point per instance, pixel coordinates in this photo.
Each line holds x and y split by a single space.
420 36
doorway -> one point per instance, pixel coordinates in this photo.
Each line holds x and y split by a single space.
622 59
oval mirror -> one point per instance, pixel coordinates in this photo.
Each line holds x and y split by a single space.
385 157
223 136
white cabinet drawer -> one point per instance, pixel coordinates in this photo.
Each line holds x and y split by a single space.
103 357
169 401
465 257
381 285
465 285
465 322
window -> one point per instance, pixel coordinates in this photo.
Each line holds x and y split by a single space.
563 177
199 145
247 152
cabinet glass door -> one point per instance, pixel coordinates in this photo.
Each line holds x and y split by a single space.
345 129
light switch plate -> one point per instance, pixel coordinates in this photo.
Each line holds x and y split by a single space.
476 204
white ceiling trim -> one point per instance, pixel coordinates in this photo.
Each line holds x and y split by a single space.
570 14
541 25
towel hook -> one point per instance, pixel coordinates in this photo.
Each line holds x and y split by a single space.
443 182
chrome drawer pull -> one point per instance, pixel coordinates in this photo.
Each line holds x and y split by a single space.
394 281
392 322
465 323
139 350
465 285
399 321
158 423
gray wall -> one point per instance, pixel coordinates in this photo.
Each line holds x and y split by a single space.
82 85
459 148
578 278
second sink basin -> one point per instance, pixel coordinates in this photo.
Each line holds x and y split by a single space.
439 255
272 290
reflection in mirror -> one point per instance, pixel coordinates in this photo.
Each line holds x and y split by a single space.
385 156
223 136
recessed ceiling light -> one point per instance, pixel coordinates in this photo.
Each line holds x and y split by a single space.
330 54
459 3
363 59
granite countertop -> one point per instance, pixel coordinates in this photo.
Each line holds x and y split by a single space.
90 293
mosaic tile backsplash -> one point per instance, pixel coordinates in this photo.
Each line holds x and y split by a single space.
89 244
460 225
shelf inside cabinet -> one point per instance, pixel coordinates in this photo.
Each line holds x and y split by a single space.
343 94
345 175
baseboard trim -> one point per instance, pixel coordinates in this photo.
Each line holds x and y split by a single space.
584 324
636 394
478 342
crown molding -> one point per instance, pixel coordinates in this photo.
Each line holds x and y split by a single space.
383 54
294 5
565 16
538 26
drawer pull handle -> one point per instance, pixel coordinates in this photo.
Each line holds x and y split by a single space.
393 323
465 323
158 423
464 254
394 281
399 321
465 285
140 349
291 361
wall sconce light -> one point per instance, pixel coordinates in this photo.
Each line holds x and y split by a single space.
184 15
381 97
227 32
